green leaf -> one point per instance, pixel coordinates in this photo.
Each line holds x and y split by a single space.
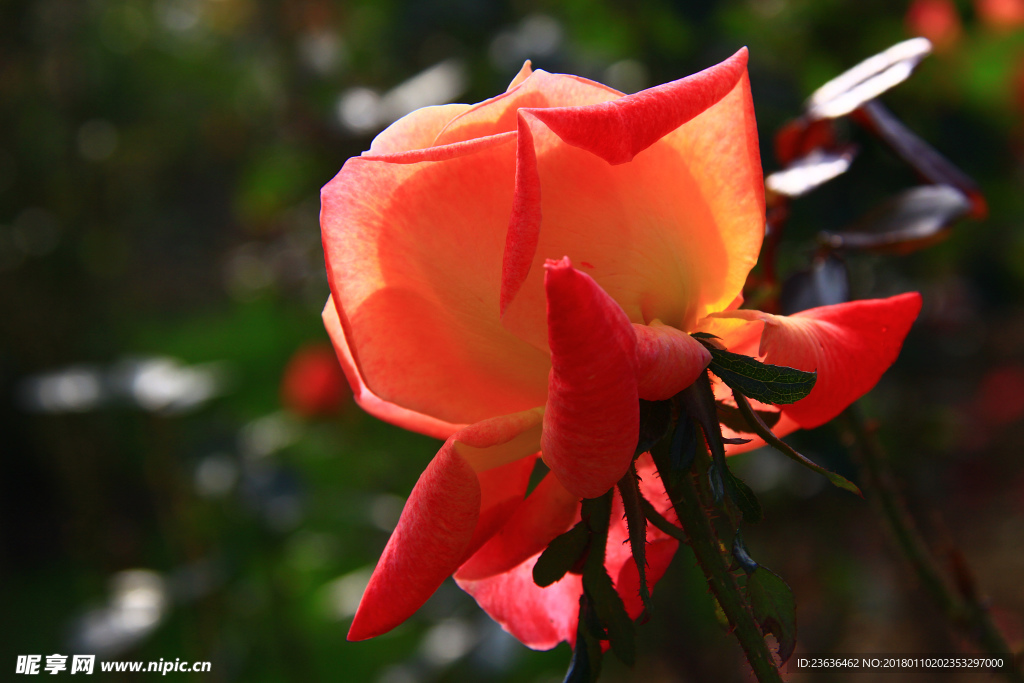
636 523
610 611
560 555
760 381
655 420
731 417
774 608
744 497
585 666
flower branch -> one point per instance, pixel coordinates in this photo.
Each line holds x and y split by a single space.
964 609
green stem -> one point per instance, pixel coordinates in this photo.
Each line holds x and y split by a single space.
964 610
659 521
707 548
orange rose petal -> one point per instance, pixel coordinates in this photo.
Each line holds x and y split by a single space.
620 129
454 507
540 89
523 74
543 617
668 360
369 401
501 494
548 511
428 544
413 260
850 346
592 418
415 130
539 618
670 235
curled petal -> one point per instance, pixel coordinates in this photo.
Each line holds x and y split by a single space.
618 130
547 512
428 544
850 346
670 235
615 130
592 418
668 360
458 502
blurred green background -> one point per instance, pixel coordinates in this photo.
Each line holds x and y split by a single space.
181 474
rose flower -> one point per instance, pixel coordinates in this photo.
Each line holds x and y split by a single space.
512 276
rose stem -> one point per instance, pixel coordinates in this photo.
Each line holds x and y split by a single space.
704 542
964 610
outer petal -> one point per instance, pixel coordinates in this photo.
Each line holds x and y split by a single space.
592 417
413 244
369 401
670 235
543 617
850 345
540 618
547 512
668 360
450 512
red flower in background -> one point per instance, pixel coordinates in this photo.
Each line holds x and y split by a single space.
936 20
451 318
312 384
1001 14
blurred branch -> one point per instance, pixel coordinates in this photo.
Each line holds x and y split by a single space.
964 609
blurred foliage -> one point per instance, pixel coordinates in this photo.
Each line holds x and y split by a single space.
159 168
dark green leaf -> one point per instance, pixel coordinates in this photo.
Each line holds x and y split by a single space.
698 401
636 523
684 445
774 608
745 499
760 381
537 474
703 335
655 420
585 666
560 555
610 611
